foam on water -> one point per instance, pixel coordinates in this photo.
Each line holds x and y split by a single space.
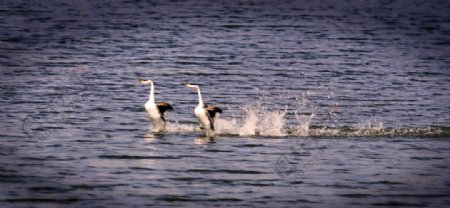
179 128
379 132
257 120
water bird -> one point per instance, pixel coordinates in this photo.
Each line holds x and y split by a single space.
155 110
204 113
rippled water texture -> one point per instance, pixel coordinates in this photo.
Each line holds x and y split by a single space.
325 103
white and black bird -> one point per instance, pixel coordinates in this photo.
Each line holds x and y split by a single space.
155 110
204 113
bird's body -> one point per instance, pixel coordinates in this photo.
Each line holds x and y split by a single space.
204 113
155 110
201 114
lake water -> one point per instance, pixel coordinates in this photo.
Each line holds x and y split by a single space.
325 104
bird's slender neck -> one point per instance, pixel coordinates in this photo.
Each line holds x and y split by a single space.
152 93
200 100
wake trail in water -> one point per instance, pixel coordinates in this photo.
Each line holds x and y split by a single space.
257 121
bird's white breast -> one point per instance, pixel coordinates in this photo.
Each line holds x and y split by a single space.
152 111
200 113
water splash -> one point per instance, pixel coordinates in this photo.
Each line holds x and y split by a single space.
256 121
250 122
303 121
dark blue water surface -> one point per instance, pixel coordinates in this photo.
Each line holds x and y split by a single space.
326 103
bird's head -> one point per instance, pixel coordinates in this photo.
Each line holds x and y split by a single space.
192 85
144 82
